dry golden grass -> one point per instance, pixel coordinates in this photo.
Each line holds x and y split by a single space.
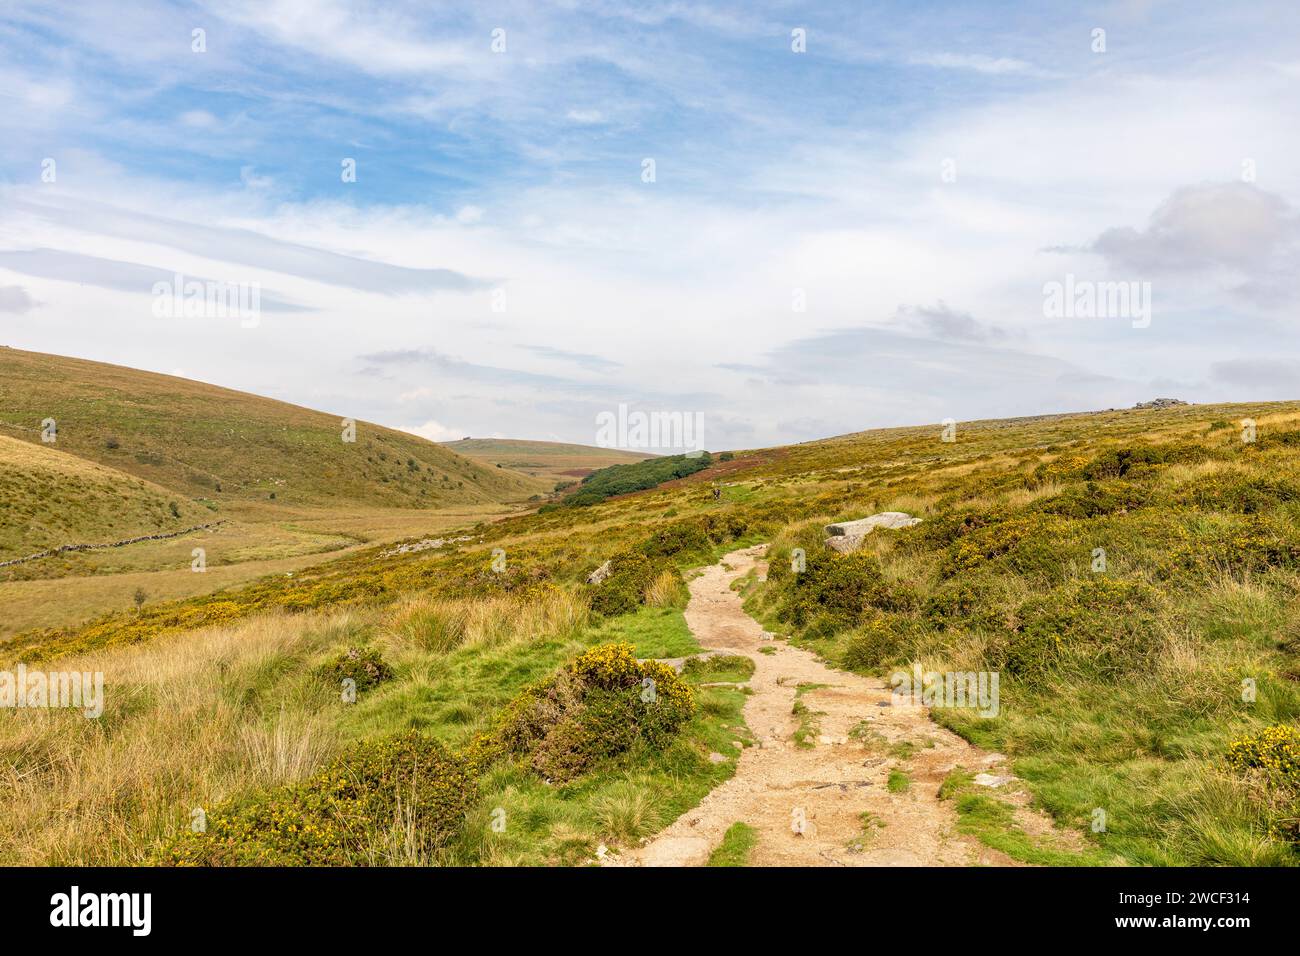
666 590
445 624
186 722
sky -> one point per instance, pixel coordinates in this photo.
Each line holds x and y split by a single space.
789 221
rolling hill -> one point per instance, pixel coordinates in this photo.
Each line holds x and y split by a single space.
556 462
52 498
203 441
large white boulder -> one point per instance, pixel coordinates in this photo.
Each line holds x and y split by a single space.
847 536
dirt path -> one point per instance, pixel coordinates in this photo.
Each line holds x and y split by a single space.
842 777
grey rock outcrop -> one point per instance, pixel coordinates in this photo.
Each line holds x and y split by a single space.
847 536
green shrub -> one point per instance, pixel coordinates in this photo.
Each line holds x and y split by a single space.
842 588
1099 626
694 537
1029 543
1094 499
963 602
1140 459
365 665
941 531
1236 493
678 539
877 643
623 590
351 813
603 704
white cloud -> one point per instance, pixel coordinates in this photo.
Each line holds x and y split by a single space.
435 431
198 119
979 62
14 298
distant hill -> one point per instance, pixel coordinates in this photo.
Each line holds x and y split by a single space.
201 440
49 498
557 462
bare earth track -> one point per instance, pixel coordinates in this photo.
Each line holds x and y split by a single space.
777 784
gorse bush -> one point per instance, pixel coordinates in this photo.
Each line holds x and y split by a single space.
1236 492
1027 544
1139 460
1274 752
1095 498
364 665
967 602
405 791
1096 626
624 589
601 705
841 588
694 538
1270 759
879 642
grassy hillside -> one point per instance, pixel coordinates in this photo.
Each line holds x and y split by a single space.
1159 686
50 498
203 441
557 462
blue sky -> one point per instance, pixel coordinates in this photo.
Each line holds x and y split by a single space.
499 266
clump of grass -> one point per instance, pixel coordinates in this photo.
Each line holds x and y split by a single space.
736 846
899 781
666 589
735 668
627 811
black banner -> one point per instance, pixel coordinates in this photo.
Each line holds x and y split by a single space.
347 906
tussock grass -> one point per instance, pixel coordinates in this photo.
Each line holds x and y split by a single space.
186 723
445 624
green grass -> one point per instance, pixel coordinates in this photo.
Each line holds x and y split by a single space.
656 632
992 821
809 724
898 782
736 846
49 498
453 696
621 802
